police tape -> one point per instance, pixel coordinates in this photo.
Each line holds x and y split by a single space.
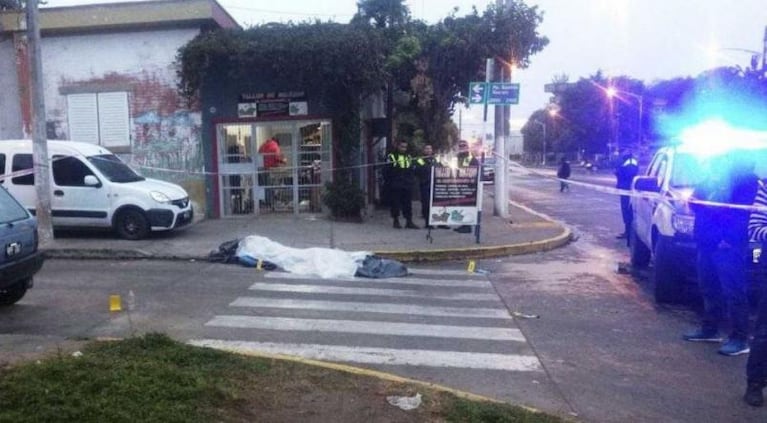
514 164
633 193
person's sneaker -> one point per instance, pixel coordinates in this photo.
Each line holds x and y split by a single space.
754 396
734 347
411 225
396 224
703 335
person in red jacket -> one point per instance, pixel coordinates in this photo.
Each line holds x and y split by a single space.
272 153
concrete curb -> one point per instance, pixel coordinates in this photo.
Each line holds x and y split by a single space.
389 377
409 256
480 252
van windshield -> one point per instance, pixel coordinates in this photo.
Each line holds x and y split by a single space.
114 169
10 210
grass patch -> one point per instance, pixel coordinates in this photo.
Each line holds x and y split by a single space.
155 379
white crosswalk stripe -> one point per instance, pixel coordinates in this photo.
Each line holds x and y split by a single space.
492 313
390 281
432 318
389 356
370 327
388 292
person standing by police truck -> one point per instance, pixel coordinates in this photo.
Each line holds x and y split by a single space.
756 369
625 173
399 177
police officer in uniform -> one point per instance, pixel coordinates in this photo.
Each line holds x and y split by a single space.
399 181
625 173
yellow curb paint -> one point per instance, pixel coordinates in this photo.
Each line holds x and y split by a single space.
115 303
374 373
480 252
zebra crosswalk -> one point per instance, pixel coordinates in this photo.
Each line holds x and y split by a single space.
432 318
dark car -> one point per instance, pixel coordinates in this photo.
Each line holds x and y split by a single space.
488 169
19 258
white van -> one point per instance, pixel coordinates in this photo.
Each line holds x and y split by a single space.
93 188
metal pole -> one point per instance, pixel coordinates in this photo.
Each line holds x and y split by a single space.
641 124
764 52
543 125
39 133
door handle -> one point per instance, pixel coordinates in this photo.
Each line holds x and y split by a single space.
58 193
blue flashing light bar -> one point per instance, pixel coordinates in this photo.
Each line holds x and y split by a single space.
715 137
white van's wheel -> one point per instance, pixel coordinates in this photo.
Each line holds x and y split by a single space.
132 224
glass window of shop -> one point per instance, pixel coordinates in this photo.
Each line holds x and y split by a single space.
273 167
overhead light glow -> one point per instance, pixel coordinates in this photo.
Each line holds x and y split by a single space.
715 137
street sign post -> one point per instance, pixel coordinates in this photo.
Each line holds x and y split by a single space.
477 92
503 93
495 93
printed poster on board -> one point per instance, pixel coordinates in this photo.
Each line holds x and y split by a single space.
454 196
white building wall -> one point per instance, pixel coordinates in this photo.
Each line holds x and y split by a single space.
163 132
10 109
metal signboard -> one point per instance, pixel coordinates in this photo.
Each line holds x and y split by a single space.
503 93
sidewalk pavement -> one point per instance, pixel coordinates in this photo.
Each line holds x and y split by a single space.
524 232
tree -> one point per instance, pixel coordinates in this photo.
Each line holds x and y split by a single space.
11 5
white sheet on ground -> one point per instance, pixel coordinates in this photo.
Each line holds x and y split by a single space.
326 263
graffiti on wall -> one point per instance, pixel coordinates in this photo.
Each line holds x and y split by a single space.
164 132
170 142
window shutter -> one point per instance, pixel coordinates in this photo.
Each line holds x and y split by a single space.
82 113
113 119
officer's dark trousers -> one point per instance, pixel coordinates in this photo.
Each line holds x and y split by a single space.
626 213
722 281
756 370
401 202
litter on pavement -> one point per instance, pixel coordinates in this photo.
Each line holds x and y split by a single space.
405 403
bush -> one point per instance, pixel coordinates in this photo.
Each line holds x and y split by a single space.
344 199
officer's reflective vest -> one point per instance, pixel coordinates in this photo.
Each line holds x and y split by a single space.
402 161
466 162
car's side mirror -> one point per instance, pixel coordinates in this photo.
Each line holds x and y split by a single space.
91 181
646 184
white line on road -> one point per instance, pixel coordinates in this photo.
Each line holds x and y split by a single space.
445 272
389 356
367 327
373 282
408 309
320 289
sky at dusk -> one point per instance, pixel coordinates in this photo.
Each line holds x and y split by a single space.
644 39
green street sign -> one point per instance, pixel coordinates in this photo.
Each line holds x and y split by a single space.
477 92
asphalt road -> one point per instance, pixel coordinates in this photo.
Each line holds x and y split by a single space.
614 355
586 341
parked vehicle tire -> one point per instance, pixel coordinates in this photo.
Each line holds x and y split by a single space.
669 286
640 253
12 294
132 224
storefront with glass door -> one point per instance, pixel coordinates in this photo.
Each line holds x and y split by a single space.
272 166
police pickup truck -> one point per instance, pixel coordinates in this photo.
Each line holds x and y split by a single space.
663 223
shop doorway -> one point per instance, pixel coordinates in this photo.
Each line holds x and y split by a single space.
273 167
